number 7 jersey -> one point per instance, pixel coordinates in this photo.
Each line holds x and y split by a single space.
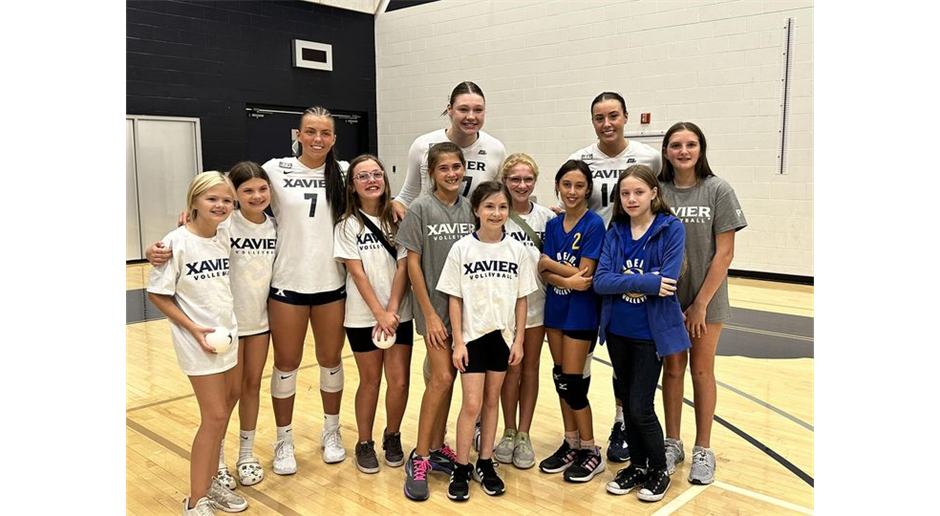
304 261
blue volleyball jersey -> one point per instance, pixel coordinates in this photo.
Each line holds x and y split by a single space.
567 309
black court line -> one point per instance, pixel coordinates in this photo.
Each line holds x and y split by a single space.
744 435
261 497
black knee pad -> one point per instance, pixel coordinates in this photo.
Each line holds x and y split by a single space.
575 392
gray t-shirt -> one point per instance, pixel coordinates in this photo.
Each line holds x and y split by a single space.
707 209
430 229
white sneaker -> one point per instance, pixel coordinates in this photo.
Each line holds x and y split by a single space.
284 463
220 497
202 508
332 444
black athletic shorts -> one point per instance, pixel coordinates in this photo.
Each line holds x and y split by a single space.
360 339
300 299
588 335
488 353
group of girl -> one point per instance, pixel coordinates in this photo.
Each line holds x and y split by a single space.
489 278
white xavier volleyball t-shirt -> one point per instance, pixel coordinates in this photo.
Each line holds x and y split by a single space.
253 247
304 261
354 242
488 278
606 169
537 219
483 158
197 276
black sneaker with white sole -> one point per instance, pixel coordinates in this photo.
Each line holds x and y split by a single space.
627 480
654 489
586 466
485 474
459 488
559 461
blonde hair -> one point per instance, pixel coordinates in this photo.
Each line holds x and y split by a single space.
518 158
203 182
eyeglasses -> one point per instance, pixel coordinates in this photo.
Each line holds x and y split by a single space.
517 180
362 177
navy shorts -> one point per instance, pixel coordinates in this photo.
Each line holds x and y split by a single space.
360 339
488 353
300 299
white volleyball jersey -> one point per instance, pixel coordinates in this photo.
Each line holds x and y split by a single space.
253 250
304 261
483 158
353 242
489 278
197 276
537 219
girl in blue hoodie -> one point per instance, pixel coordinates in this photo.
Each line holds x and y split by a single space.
641 319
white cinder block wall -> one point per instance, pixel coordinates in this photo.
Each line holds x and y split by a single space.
717 63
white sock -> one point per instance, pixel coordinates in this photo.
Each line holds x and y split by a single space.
332 420
246 444
619 417
222 455
284 433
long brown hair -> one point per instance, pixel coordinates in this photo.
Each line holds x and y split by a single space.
702 170
353 203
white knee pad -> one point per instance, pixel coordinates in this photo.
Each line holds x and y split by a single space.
426 369
332 379
283 383
587 366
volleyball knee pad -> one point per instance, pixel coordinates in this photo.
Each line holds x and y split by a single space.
331 378
283 383
575 391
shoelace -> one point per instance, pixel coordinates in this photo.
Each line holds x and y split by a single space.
700 458
419 468
281 450
332 439
449 453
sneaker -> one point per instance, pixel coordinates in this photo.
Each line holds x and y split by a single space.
675 453
523 456
202 508
703 466
588 464
443 460
654 489
504 450
416 477
220 497
391 443
366 460
459 488
477 435
626 480
331 442
284 463
617 449
226 479
485 474
560 460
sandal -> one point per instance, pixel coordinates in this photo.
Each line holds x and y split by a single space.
226 479
250 471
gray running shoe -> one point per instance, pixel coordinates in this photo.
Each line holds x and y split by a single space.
391 443
416 477
221 498
504 449
523 456
366 461
703 466
675 453
203 508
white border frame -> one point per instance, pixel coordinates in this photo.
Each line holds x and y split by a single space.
299 62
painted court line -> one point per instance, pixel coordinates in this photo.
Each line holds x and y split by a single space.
680 500
764 498
769 333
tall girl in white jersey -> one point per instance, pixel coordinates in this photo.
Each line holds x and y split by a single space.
526 224
484 154
308 284
192 289
378 307
610 155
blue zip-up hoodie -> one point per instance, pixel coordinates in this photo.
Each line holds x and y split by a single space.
664 252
